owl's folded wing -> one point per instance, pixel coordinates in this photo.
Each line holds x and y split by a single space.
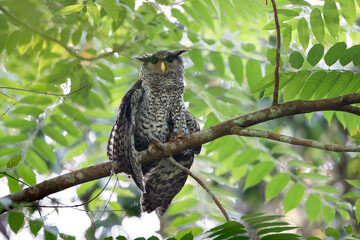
193 126
121 145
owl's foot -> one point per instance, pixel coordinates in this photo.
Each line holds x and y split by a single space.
179 136
156 144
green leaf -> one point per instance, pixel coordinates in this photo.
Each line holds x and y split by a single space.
348 229
9 151
286 36
44 150
236 67
331 17
288 13
253 73
70 9
334 53
274 230
76 36
303 31
348 11
36 162
294 87
315 54
180 17
218 62
204 13
26 173
296 60
293 196
326 84
28 110
14 161
75 151
349 55
313 207
312 84
94 12
276 185
355 183
16 220
197 59
110 8
20 124
357 211
3 40
35 226
341 84
258 173
181 206
332 232
105 72
183 220
314 176
264 83
353 86
12 41
327 189
317 24
328 214
55 135
281 236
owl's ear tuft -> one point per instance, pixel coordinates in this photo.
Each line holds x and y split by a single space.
179 52
142 59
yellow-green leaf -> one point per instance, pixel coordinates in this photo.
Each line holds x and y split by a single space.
26 173
348 11
258 173
14 161
70 9
276 185
331 17
313 207
93 11
293 196
110 8
303 31
317 24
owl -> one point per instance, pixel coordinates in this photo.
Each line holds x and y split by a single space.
152 112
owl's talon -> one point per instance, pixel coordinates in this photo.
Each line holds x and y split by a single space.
156 144
179 136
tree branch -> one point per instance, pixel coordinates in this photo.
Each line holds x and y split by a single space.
91 173
277 57
295 141
44 35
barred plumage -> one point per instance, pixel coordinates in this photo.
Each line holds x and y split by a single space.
153 111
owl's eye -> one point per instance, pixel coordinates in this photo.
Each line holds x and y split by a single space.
169 59
154 60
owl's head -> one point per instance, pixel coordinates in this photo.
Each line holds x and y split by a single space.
162 63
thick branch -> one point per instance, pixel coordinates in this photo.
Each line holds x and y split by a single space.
294 140
44 35
62 182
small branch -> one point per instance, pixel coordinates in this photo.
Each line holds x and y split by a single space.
203 185
351 109
293 140
44 35
277 58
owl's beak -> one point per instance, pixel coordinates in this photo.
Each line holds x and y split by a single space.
162 66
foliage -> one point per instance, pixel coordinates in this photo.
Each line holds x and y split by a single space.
59 100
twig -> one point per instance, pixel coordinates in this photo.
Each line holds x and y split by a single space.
293 140
203 185
67 48
277 58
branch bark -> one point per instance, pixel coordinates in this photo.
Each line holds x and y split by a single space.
91 173
277 57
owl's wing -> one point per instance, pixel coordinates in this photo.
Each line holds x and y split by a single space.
121 144
193 126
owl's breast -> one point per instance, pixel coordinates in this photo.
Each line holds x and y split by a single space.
152 121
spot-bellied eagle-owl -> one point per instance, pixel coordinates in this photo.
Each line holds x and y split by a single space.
153 112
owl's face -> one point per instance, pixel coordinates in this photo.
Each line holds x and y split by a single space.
162 63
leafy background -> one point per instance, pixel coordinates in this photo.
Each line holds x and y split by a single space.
58 106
